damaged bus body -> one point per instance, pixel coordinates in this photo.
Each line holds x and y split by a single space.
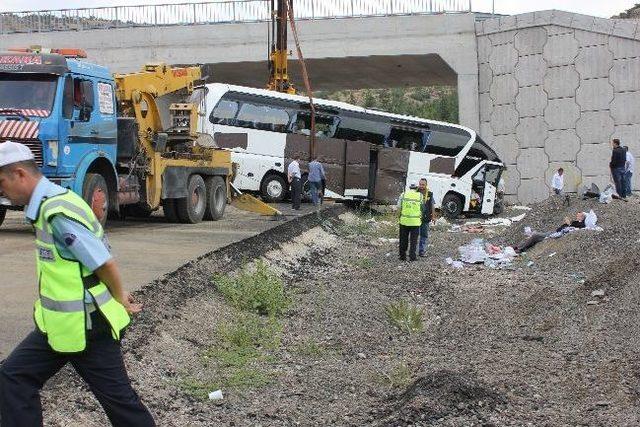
367 154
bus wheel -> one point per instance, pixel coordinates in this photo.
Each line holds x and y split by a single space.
273 188
191 208
452 206
216 198
3 213
96 193
169 209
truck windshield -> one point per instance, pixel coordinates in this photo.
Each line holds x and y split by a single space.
31 94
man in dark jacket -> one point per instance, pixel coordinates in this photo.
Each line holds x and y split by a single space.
427 216
617 166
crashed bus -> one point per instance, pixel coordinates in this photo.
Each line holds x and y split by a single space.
367 154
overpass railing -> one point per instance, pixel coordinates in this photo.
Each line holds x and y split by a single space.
228 11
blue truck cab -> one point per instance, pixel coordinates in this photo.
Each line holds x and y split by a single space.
65 110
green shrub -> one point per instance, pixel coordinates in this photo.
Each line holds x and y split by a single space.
405 316
260 291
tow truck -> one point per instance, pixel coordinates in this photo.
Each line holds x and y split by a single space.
127 143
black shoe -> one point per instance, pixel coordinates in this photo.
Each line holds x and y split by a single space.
412 259
402 259
422 254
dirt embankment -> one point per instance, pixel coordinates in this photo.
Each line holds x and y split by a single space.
528 345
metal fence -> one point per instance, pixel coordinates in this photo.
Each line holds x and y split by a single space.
228 11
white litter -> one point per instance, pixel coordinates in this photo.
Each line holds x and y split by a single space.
607 195
521 208
591 219
518 218
385 239
598 293
442 222
216 395
530 263
454 264
552 254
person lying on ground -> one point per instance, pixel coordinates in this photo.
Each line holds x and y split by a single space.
536 238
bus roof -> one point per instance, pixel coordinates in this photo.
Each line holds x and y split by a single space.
222 87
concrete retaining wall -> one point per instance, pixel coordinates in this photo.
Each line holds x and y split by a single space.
554 89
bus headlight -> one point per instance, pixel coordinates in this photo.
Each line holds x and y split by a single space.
53 153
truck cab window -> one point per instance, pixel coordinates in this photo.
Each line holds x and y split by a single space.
83 99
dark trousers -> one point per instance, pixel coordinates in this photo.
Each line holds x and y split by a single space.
627 183
408 237
296 192
618 179
33 362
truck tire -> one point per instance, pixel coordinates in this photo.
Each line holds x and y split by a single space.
3 213
452 205
216 198
191 209
274 188
169 209
96 193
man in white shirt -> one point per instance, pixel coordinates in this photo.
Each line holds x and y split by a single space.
557 183
295 181
628 172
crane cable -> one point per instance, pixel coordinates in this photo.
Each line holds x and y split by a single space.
305 77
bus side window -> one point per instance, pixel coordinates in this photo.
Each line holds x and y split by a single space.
406 139
325 125
445 142
224 113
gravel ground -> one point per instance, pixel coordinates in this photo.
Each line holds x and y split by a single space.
528 345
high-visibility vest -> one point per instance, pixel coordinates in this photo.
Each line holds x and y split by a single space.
60 311
411 205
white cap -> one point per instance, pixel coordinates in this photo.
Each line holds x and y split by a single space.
14 152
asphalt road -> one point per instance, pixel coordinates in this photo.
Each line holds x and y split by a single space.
144 249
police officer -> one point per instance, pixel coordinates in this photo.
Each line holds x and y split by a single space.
410 205
82 309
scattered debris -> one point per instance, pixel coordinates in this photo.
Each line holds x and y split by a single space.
592 302
521 208
552 254
530 264
216 395
598 293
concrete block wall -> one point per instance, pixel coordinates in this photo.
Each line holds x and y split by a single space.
554 89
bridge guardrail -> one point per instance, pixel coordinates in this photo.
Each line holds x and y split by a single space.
228 11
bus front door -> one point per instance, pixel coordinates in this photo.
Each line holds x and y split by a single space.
491 179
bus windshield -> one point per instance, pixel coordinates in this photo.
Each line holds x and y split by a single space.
31 94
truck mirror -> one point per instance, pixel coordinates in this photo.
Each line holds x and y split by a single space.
86 88
67 98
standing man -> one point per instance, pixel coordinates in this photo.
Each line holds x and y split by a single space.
316 177
295 181
427 215
628 171
410 206
557 182
82 309
617 163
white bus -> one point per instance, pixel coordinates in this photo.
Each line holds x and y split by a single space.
367 154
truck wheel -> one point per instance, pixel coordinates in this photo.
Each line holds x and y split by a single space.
452 206
216 198
169 209
191 208
96 193
273 188
3 213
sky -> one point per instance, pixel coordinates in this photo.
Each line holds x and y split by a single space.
601 8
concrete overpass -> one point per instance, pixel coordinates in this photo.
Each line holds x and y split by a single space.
545 89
